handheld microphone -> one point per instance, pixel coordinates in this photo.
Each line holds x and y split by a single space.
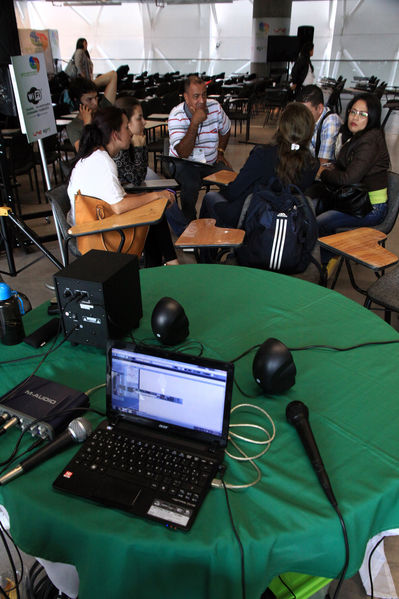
298 415
78 430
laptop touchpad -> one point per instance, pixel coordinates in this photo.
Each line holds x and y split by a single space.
117 492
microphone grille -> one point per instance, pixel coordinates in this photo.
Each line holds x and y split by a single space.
80 429
295 411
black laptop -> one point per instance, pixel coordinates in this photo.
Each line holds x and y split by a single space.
164 439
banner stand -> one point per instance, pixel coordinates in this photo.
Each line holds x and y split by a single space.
36 114
44 163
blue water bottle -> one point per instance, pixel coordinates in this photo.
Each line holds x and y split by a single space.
11 307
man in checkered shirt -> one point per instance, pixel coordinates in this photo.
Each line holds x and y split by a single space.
199 131
327 124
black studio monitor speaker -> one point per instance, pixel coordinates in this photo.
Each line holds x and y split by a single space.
99 297
169 322
305 34
273 367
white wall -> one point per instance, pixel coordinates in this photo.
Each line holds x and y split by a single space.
217 37
187 38
361 37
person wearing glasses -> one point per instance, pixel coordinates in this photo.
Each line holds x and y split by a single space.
362 159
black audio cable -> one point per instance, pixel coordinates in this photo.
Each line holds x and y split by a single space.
9 424
369 567
243 592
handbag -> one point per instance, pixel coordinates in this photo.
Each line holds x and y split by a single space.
71 69
350 199
89 209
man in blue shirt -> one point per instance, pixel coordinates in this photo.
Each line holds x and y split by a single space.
327 123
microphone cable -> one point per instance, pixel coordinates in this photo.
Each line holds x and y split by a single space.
237 536
13 456
287 587
244 393
332 347
345 567
369 567
7 463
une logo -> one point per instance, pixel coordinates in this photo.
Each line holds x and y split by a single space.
34 63
264 27
34 95
39 39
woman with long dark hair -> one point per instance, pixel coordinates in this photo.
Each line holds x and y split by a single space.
362 159
287 157
82 59
95 174
132 163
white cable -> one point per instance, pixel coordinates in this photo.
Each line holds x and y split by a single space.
245 458
93 389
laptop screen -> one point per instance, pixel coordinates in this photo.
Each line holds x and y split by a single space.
171 390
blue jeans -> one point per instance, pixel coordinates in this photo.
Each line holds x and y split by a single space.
331 220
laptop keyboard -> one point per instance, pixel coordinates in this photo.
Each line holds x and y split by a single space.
178 475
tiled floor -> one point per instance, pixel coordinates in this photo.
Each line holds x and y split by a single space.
32 280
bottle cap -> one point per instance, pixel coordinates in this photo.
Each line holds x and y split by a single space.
5 291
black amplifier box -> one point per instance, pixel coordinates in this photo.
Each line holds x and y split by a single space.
99 297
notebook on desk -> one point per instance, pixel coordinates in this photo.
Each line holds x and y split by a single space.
164 438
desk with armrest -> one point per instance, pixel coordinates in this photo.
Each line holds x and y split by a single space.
362 246
220 178
151 185
143 215
285 522
136 218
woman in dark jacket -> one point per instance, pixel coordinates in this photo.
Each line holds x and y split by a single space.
302 72
363 158
287 158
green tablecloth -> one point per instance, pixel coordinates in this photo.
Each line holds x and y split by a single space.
285 522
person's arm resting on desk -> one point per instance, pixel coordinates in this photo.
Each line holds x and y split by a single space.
135 200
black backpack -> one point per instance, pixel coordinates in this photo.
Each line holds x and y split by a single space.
280 229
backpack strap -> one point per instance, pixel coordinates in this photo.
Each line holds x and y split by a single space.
318 136
244 210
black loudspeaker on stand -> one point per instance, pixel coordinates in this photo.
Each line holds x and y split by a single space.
99 297
305 34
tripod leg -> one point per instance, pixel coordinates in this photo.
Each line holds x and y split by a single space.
7 246
4 211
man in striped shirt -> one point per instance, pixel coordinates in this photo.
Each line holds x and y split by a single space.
199 131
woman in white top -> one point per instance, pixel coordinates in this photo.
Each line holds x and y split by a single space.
95 174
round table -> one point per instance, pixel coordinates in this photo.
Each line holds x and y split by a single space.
285 522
